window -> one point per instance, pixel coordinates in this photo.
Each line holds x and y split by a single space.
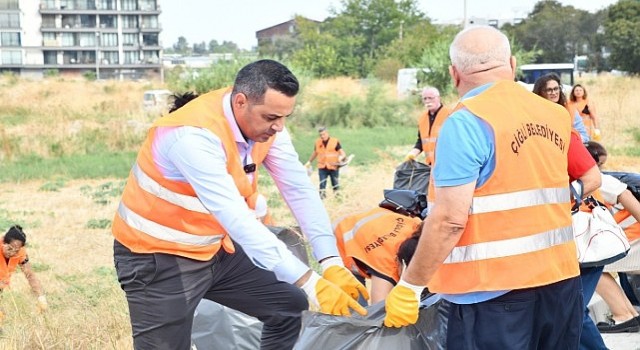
129 39
11 57
129 5
150 39
108 21
48 21
108 40
8 4
129 21
68 39
49 4
87 39
109 57
147 5
50 57
149 21
131 57
107 5
151 57
9 20
10 39
49 39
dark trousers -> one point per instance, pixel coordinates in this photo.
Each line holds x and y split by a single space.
590 338
331 174
163 291
547 317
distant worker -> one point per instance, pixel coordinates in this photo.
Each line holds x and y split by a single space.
369 241
330 154
498 241
578 101
15 255
185 229
429 125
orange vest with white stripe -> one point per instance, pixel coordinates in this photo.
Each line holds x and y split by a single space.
373 238
628 223
158 215
429 133
327 155
519 232
7 268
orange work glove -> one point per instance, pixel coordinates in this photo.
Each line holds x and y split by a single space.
328 298
333 270
597 135
402 305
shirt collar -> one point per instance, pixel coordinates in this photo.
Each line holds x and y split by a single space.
228 113
476 91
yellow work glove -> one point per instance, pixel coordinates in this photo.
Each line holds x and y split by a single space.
409 157
42 304
307 164
328 298
334 271
402 305
596 135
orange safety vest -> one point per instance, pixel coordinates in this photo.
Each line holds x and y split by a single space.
158 215
628 223
327 156
7 268
373 238
429 133
519 232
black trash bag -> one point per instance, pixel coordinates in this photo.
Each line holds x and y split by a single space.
217 327
412 175
323 332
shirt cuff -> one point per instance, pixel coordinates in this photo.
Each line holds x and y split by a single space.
290 269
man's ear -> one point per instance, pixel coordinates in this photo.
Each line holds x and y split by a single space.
239 100
454 75
512 63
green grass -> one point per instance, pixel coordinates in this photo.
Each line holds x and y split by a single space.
366 143
87 166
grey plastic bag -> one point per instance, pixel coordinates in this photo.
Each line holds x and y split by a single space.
322 332
412 175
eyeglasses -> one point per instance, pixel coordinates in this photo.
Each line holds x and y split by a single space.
552 90
429 98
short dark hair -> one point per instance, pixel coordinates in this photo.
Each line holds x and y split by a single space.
254 79
181 99
407 249
15 233
596 150
541 84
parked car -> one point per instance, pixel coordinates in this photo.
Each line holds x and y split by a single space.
156 100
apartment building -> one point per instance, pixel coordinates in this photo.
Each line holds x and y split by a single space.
115 39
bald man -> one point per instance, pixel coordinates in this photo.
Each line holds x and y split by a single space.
428 125
497 243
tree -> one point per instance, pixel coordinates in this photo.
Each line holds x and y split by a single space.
200 48
181 46
622 28
558 32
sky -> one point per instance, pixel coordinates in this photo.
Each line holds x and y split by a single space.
239 20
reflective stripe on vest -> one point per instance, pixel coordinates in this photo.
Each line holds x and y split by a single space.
509 247
162 232
182 200
349 234
521 199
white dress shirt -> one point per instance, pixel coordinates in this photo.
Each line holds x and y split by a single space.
196 155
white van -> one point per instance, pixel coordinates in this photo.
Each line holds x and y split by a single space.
156 100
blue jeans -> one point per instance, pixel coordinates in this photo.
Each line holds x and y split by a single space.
590 338
331 174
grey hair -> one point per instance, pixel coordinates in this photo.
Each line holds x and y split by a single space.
464 58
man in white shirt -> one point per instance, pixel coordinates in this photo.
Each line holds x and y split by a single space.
185 229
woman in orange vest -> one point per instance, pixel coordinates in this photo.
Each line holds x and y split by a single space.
15 255
626 208
578 101
369 242
330 154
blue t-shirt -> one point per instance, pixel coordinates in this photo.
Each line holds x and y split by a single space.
470 141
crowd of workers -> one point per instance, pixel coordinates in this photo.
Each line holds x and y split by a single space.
512 279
